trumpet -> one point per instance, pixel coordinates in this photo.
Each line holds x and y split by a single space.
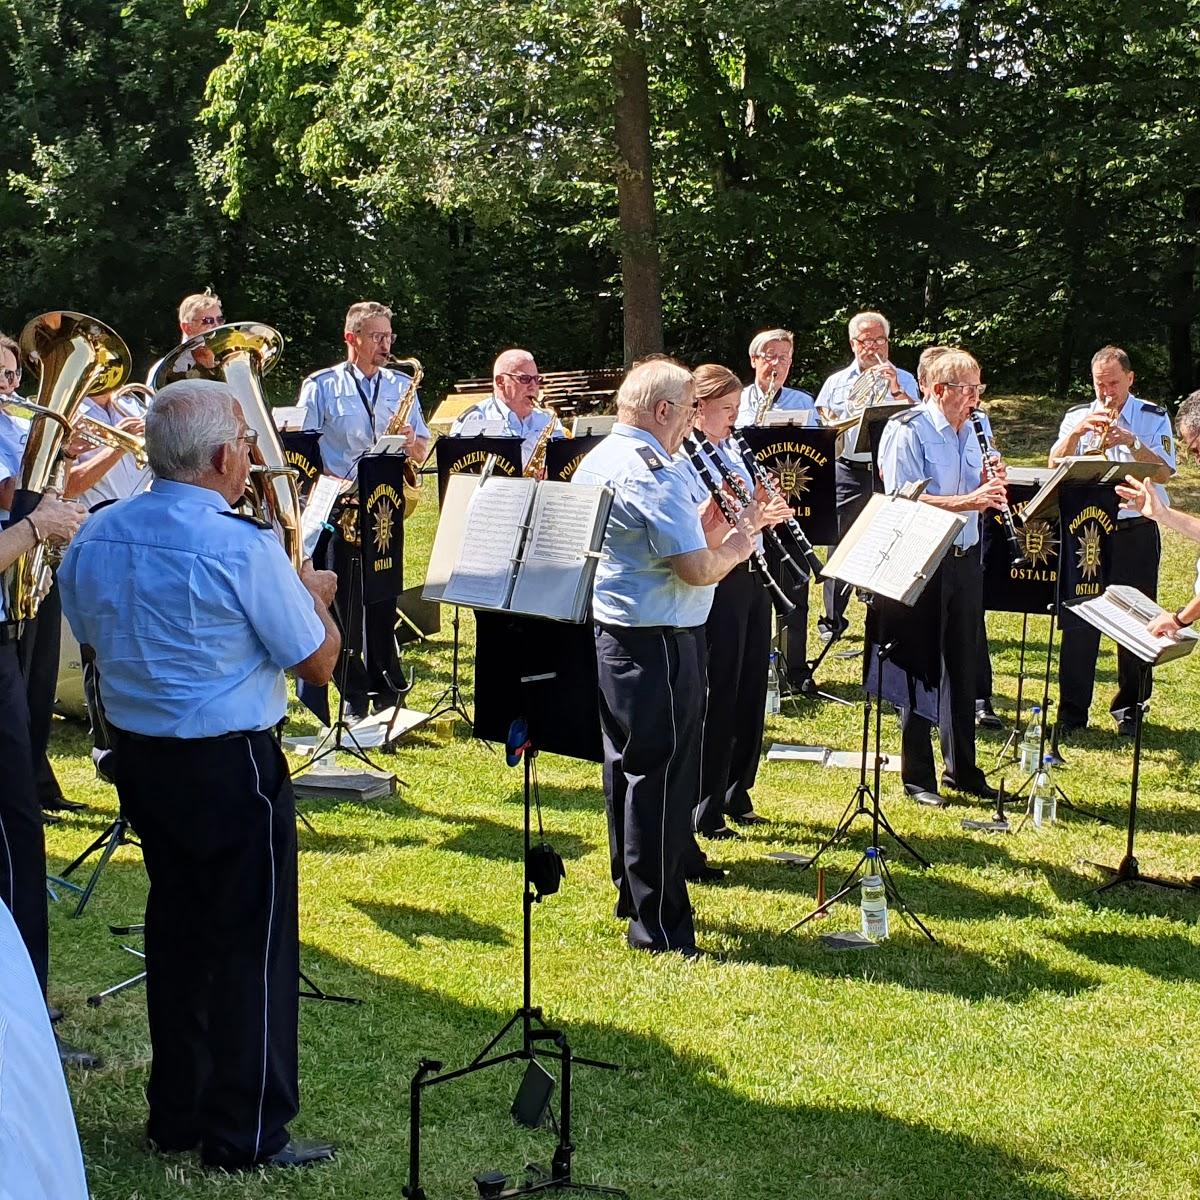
1100 440
97 436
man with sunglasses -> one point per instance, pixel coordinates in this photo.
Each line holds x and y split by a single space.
869 343
935 442
193 613
516 385
199 313
1125 429
351 405
13 430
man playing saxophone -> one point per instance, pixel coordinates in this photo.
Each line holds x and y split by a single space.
771 361
351 405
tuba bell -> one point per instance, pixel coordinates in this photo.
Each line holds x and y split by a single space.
76 356
239 355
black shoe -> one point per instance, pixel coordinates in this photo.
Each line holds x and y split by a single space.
354 715
72 1056
50 818
55 1014
59 803
723 834
985 716
802 685
926 797
299 1152
171 1145
1066 729
707 875
691 952
750 818
1127 728
982 790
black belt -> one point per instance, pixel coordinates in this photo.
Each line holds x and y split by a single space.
200 741
1132 522
962 552
656 630
856 464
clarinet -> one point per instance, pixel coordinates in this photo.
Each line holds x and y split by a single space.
743 497
782 604
761 475
989 473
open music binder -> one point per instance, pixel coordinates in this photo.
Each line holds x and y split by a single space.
518 545
1081 469
1122 612
894 547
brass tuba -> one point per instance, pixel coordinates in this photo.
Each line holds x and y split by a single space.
239 355
76 356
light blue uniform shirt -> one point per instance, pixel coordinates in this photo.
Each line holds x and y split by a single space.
790 399
835 394
655 515
1149 423
14 433
334 406
471 423
923 445
39 1146
192 611
124 478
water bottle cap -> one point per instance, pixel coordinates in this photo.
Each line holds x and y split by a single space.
1048 761
872 852
1037 708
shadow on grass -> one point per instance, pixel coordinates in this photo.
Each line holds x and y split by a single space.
409 924
504 843
646 1129
1169 956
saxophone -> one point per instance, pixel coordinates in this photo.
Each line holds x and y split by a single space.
766 399
536 466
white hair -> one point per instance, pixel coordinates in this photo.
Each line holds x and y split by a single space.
649 383
868 318
761 340
187 423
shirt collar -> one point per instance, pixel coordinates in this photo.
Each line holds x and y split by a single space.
192 493
640 435
939 419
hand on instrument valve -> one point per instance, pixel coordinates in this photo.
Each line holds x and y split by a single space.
1103 429
991 493
775 509
320 584
134 425
711 516
1141 496
55 520
409 434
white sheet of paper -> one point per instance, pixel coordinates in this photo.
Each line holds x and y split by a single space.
495 524
784 752
318 507
288 417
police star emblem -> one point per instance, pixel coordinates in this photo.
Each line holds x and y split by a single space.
794 477
1037 542
383 519
1088 551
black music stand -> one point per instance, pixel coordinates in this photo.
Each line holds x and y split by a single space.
451 700
531 1105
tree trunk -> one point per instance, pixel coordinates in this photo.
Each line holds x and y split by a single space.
635 194
1182 292
1076 266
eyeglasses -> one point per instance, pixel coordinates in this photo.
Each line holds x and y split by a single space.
11 374
212 322
380 338
773 359
523 379
977 388
250 437
693 407
875 341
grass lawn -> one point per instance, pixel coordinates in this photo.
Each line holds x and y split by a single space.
1046 1047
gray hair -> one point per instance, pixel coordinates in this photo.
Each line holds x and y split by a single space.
357 315
760 340
650 383
187 423
1187 419
868 318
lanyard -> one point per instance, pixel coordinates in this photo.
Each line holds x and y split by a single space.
369 405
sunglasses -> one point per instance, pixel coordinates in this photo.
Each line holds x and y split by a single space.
11 374
212 322
524 379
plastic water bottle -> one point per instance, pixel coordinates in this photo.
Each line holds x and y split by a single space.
874 899
773 684
1031 742
1043 804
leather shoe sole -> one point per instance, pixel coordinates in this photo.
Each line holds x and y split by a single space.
72 1056
707 875
299 1152
750 818
724 834
927 798
981 791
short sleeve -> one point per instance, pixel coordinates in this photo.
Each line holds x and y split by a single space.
310 402
901 460
1163 442
277 605
672 518
417 420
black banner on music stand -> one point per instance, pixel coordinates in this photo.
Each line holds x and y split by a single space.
802 459
303 451
1028 587
466 456
565 454
1087 521
381 525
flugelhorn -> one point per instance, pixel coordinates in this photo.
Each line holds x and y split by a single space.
241 354
76 356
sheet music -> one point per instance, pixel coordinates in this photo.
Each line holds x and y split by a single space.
1122 612
451 522
289 418
555 576
496 519
318 507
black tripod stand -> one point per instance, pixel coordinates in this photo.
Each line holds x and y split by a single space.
117 834
451 699
1127 870
879 822
529 1107
1014 734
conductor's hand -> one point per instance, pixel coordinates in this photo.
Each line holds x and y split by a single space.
58 520
321 584
1140 496
990 494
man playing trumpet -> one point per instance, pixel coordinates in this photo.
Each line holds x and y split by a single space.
1124 429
